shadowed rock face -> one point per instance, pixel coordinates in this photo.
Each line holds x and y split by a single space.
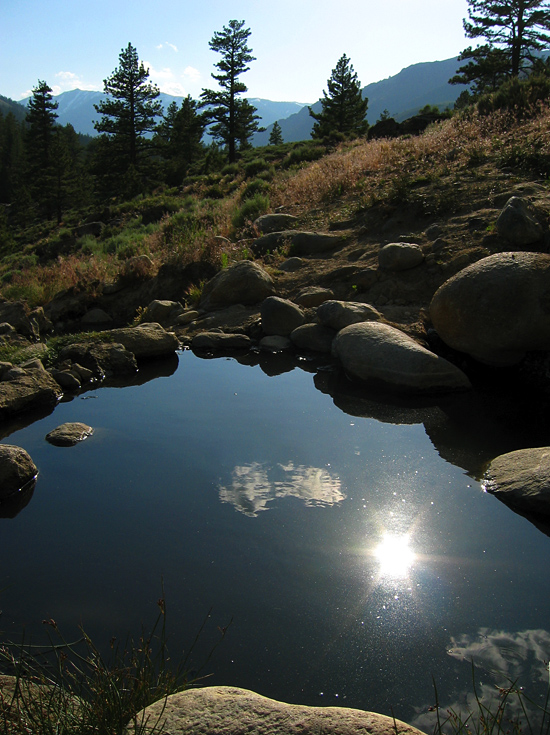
497 309
243 283
233 711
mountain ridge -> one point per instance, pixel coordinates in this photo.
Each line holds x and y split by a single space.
402 95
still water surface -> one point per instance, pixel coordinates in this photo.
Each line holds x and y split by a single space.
347 537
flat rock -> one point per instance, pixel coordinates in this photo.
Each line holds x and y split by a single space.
275 222
339 314
313 296
275 343
101 358
310 243
521 479
16 470
373 351
220 341
222 710
69 434
146 340
34 390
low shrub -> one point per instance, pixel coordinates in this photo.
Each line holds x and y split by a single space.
250 210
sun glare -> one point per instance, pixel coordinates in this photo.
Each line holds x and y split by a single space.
394 555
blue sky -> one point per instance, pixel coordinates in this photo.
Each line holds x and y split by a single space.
75 44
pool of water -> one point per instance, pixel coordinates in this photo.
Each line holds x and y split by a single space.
345 534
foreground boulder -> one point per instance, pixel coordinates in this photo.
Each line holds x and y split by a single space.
521 479
243 283
16 470
373 351
146 340
233 711
496 309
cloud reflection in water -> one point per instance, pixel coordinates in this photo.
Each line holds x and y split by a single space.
255 485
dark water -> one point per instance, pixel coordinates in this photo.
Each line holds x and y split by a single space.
345 534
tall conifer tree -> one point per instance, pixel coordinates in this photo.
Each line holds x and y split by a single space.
128 116
514 30
233 120
344 108
41 117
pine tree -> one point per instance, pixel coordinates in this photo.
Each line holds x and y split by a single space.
276 135
231 120
343 108
128 117
179 138
513 29
39 174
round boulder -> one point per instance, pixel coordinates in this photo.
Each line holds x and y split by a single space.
280 316
16 470
233 711
496 309
522 479
400 256
242 283
374 351
69 434
313 337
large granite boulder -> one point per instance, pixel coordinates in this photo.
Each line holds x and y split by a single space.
339 314
373 351
517 225
400 256
232 711
496 309
243 283
16 470
521 479
146 340
280 316
32 390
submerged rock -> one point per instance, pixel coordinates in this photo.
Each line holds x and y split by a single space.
17 470
373 351
69 434
233 711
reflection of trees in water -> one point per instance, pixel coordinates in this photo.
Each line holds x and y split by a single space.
255 485
514 677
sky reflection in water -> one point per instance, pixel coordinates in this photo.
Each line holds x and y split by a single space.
325 593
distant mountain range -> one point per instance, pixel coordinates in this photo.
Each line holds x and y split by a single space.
402 95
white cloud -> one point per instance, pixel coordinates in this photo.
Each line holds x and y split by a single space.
191 73
167 43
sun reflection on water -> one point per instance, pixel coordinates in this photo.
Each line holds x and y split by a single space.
395 555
